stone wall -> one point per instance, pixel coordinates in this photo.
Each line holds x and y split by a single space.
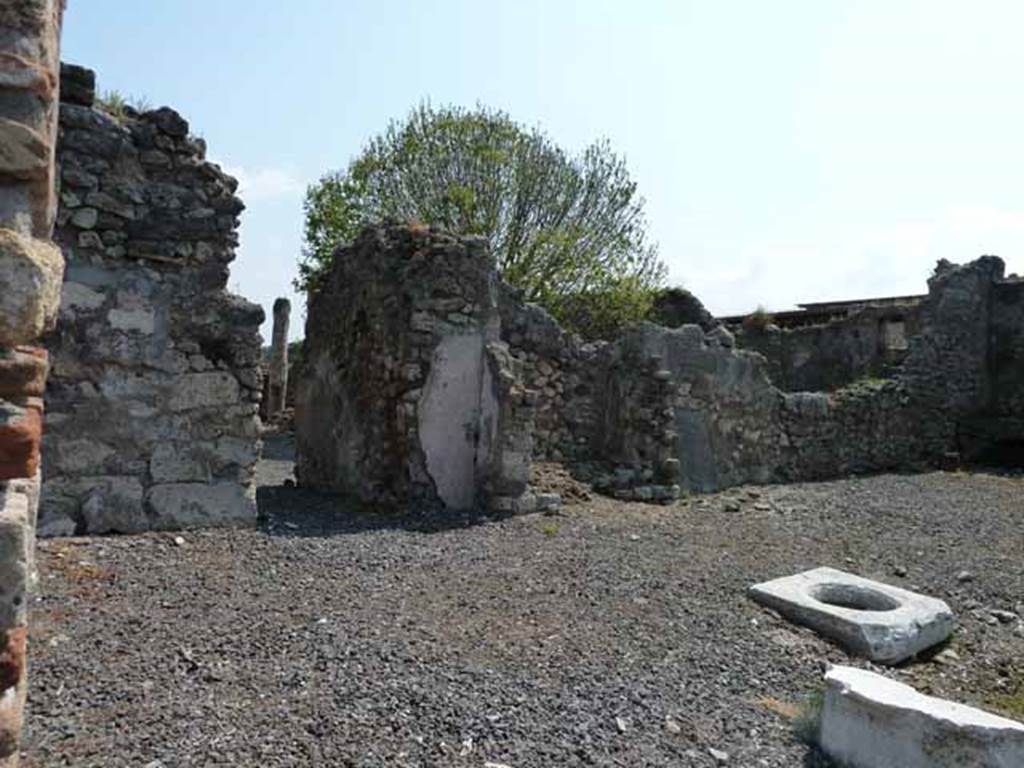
996 433
155 381
405 394
662 410
870 343
31 268
400 339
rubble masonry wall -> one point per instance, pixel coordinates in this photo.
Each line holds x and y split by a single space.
155 384
406 394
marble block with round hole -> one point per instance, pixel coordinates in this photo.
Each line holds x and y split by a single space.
880 622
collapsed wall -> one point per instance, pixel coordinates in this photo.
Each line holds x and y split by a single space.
406 394
155 380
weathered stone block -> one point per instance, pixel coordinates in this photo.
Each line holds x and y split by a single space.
76 296
85 218
16 522
878 621
140 320
176 464
77 85
33 270
204 390
79 456
24 154
202 505
870 721
114 505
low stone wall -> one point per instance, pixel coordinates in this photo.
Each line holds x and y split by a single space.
155 379
405 394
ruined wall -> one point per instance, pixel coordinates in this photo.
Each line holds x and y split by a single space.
155 384
400 338
30 277
406 394
995 434
870 343
560 369
685 407
1007 354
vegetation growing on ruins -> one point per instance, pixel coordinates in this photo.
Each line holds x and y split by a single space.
567 230
116 104
758 320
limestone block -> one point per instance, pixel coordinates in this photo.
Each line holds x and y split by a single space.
141 320
16 520
80 456
870 721
58 524
76 296
174 464
32 271
85 218
204 390
114 505
236 450
108 203
202 505
878 621
24 154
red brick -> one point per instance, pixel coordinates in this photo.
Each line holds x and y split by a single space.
19 444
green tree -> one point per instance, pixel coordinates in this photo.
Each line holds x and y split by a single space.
567 230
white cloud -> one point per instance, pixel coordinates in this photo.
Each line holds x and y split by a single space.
266 183
896 258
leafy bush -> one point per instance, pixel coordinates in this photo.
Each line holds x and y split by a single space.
567 230
758 320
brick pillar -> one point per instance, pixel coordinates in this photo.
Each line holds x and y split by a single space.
31 270
277 377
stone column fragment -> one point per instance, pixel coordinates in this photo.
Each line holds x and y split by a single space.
277 379
31 270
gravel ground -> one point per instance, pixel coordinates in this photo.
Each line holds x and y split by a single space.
610 635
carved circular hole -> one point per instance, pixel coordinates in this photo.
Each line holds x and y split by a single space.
854 597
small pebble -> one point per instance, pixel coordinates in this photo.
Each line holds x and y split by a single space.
964 576
719 755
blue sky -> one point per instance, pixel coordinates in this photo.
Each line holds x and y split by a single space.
793 150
